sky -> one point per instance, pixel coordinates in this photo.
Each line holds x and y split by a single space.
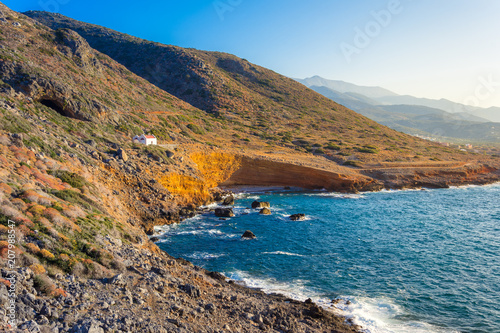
425 48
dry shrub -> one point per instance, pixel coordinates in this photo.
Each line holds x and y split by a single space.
44 284
45 223
23 170
74 212
24 231
3 229
48 180
60 220
37 209
26 222
21 157
19 204
47 254
64 257
40 198
38 269
40 165
4 249
54 233
10 211
5 282
5 189
33 248
30 195
5 140
59 292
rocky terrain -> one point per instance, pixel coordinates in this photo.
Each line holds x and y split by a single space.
81 197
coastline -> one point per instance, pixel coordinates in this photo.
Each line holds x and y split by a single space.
328 305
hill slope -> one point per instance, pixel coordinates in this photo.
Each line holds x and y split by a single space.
259 107
82 198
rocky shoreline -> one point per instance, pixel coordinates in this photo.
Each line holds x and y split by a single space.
153 292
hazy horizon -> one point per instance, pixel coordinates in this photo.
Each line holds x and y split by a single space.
424 49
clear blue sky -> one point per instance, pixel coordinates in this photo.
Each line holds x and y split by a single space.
426 48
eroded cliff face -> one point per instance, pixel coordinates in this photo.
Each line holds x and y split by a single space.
435 176
254 171
262 172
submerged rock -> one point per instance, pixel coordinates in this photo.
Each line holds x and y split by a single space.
298 217
249 235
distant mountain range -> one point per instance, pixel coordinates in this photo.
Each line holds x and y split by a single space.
436 118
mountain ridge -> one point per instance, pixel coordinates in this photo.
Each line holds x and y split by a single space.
439 124
492 114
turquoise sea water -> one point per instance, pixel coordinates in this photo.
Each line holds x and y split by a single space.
400 261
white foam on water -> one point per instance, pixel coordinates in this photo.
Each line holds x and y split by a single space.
205 255
286 217
200 232
374 315
211 206
163 229
380 315
296 290
285 253
336 195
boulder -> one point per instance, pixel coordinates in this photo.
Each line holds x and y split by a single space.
298 217
122 154
262 204
228 201
224 212
249 235
265 211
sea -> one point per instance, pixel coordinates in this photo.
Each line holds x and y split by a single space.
393 261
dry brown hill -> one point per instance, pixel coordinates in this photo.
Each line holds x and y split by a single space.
257 106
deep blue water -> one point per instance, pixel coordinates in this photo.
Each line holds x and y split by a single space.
400 261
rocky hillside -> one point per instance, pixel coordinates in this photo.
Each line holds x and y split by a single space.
82 197
258 106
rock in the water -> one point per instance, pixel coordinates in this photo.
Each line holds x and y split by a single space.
265 211
262 204
248 234
224 212
228 201
298 217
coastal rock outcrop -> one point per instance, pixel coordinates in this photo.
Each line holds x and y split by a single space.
248 235
228 201
224 212
262 204
298 217
265 211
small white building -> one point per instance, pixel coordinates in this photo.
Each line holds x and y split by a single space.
145 139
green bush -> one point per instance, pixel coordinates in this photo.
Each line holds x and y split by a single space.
71 178
195 129
75 198
366 150
332 146
356 164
